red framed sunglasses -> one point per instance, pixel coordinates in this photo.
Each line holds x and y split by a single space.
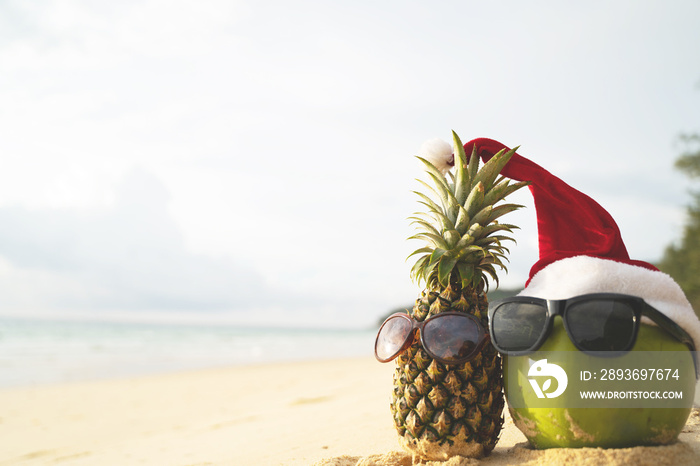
448 337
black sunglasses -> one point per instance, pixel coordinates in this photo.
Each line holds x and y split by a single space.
448 337
596 323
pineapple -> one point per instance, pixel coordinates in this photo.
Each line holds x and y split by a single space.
447 410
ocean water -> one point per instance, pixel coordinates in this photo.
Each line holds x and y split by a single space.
34 352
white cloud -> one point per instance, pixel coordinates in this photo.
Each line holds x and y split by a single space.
283 132
127 256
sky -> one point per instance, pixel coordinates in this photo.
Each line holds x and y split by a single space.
253 162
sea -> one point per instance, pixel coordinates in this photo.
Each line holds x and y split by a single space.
36 352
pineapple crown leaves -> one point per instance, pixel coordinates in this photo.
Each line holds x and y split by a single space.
460 222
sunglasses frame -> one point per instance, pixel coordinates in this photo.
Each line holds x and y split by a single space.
558 307
484 337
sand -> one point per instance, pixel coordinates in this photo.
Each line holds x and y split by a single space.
307 413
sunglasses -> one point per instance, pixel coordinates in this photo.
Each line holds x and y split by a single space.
448 337
595 323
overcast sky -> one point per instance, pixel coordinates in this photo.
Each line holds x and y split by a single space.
252 161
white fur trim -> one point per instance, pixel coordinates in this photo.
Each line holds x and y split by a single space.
439 153
580 275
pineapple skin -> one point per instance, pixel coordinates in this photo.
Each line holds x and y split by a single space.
440 410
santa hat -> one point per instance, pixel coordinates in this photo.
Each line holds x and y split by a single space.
581 248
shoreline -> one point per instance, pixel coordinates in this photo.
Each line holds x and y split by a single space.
325 412
36 353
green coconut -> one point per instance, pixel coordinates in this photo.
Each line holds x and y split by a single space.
560 425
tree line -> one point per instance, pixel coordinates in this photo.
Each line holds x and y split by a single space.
682 260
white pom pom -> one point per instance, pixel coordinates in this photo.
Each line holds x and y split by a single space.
439 153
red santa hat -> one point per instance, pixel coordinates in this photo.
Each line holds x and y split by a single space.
581 248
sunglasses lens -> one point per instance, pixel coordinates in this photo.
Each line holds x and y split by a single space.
392 337
517 326
451 337
601 325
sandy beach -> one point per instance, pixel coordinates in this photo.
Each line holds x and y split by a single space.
322 412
